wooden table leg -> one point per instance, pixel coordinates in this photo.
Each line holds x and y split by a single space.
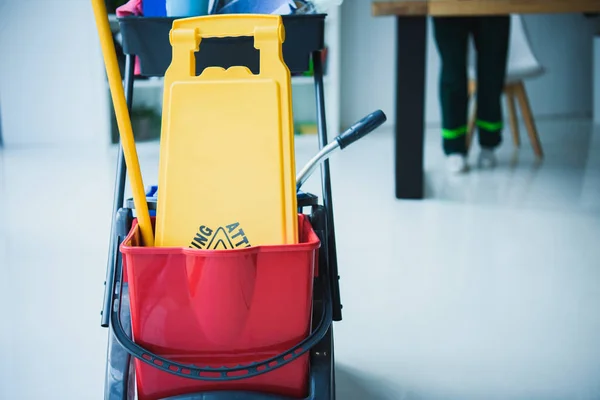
411 46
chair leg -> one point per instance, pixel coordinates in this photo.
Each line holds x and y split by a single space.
473 117
509 91
528 117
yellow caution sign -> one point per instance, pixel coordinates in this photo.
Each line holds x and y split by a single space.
227 167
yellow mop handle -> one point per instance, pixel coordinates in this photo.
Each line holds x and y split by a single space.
123 121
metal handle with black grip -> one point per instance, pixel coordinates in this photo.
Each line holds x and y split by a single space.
361 128
357 131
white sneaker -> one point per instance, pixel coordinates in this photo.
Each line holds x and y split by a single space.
487 158
457 163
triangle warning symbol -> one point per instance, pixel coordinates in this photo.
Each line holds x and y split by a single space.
220 240
220 245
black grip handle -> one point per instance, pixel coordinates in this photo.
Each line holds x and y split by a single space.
361 128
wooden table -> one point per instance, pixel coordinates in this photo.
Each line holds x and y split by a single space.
411 42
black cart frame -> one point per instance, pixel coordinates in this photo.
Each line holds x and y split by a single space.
148 39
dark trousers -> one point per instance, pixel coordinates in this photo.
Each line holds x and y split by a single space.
491 39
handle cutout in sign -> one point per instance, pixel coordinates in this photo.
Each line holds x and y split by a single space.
226 237
226 53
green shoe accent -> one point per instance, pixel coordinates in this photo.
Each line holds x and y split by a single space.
490 126
454 133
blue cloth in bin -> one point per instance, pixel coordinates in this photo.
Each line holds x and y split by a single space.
258 7
151 192
154 8
151 196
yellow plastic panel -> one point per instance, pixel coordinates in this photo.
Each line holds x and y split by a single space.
227 168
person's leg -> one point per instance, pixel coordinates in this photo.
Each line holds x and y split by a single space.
491 37
451 36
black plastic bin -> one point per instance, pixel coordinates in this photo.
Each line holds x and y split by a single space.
148 38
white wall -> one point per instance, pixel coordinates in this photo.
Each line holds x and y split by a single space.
52 77
563 44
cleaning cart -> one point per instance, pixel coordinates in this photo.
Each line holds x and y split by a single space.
257 322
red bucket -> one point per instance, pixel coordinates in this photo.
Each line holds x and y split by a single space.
221 308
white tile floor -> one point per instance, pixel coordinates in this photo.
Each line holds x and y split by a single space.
487 289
